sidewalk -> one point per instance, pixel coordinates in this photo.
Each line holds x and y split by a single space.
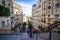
45 36
31 39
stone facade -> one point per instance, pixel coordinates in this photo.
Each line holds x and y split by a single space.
15 14
25 18
5 22
45 12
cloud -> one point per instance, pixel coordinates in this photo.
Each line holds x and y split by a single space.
26 8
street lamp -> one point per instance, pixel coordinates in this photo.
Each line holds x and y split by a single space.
49 24
50 33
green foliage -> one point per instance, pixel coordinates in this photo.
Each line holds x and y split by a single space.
4 11
28 21
47 31
41 28
30 26
24 25
13 29
16 26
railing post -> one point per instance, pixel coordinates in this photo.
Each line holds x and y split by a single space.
37 36
50 35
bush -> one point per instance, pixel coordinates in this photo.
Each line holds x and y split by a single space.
41 28
16 26
13 29
4 11
30 26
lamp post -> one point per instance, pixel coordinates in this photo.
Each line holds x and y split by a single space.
50 33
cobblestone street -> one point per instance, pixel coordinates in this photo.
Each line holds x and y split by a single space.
25 36
45 36
29 19
20 36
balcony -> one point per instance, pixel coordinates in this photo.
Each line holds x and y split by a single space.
49 7
51 16
58 5
43 21
56 15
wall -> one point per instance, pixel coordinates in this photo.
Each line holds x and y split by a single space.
7 26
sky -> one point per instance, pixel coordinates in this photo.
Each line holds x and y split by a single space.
26 6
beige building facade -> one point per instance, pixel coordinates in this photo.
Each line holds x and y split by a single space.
5 22
25 18
45 12
15 14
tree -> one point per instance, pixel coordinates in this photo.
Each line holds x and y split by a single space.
4 11
16 26
30 27
41 28
24 25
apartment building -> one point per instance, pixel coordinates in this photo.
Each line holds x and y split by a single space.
25 18
17 11
5 22
45 12
15 14
34 16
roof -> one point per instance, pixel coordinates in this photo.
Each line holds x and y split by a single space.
34 5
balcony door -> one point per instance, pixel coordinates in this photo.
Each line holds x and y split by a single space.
3 24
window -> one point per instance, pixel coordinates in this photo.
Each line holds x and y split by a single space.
50 3
58 1
12 12
3 2
39 6
49 20
49 7
3 24
49 14
49 0
57 13
44 20
57 5
7 22
16 14
40 0
44 8
44 1
9 4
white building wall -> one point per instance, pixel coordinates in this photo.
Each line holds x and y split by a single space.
25 18
4 19
0 2
12 12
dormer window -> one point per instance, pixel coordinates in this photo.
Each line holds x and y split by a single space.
3 2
